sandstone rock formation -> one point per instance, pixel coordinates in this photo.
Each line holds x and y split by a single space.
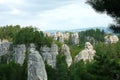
4 48
75 39
61 36
111 39
61 39
19 53
86 54
36 66
49 54
66 51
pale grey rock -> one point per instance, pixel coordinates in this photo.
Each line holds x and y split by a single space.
54 48
55 37
0 41
86 54
19 53
66 36
36 66
32 47
91 39
66 51
4 48
47 34
61 36
75 38
47 57
111 39
61 39
49 54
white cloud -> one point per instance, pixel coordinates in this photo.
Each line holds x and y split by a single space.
10 1
54 14
72 16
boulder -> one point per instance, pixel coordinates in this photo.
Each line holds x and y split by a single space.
86 54
36 66
66 51
75 39
111 39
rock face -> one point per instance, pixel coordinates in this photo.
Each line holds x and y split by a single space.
61 36
66 51
61 39
49 54
19 53
75 39
86 54
4 48
36 66
111 39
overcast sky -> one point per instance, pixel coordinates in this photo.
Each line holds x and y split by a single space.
51 14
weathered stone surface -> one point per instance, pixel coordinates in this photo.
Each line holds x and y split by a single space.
61 36
61 39
36 66
32 47
86 54
66 51
4 48
75 39
111 39
49 54
19 53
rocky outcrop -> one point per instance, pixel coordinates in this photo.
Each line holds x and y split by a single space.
49 54
111 39
4 47
66 51
61 39
86 54
75 39
36 66
61 36
19 53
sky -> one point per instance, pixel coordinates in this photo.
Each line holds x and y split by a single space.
51 14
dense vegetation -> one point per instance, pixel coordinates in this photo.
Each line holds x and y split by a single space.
29 35
9 32
105 66
18 35
12 71
25 35
92 36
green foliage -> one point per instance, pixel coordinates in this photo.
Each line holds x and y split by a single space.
105 65
107 62
51 73
11 71
92 36
29 35
61 67
75 49
110 7
9 32
14 71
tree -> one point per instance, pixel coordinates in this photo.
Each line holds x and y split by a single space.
61 67
110 7
9 32
107 62
29 35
